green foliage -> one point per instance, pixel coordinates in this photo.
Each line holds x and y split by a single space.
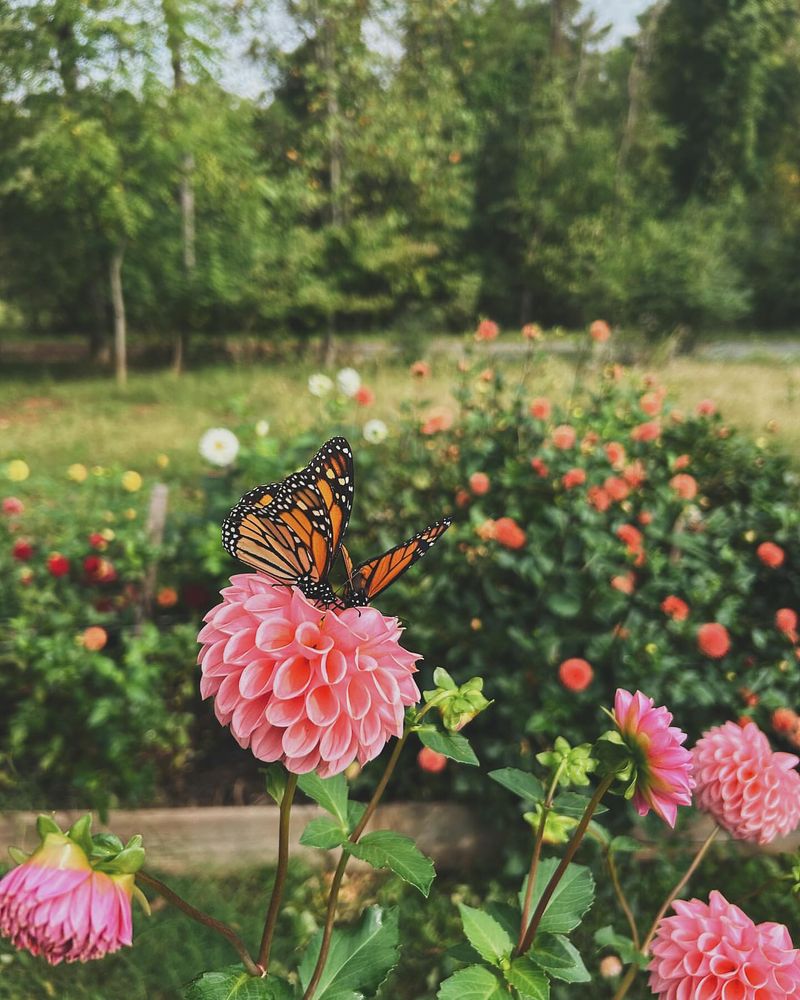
235 984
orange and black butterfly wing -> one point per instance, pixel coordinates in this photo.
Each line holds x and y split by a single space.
372 577
265 545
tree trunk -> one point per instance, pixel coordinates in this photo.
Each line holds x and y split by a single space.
636 80
118 305
99 353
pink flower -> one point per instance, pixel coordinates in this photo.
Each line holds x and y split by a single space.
748 788
479 483
314 688
487 330
663 765
55 905
12 506
564 437
540 408
714 951
706 408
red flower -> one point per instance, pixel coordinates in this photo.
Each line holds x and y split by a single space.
650 403
675 608
420 369
650 431
616 488
508 533
598 498
564 437
540 408
786 622
487 330
784 720
634 474
97 541
625 584
713 640
540 468
57 564
684 485
575 674
645 518
706 408
630 535
462 497
479 483
12 506
364 396
615 453
431 761
770 554
99 570
22 550
599 331
681 462
575 477
437 422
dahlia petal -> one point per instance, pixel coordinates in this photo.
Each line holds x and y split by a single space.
322 705
292 677
256 678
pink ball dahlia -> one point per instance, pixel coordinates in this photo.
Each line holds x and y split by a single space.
312 687
748 788
663 765
55 905
714 951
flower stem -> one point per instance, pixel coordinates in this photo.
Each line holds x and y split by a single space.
558 874
537 852
621 897
633 969
338 875
202 918
280 873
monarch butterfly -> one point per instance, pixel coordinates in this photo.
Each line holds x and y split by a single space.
293 531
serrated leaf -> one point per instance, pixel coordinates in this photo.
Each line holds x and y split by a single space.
452 745
233 983
486 935
330 793
472 983
573 896
531 982
559 957
355 810
386 849
359 960
574 804
323 832
521 783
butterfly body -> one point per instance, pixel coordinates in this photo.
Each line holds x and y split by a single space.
293 531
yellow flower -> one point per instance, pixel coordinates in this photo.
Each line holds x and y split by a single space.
17 470
130 513
749 536
77 472
131 481
162 461
651 649
109 516
108 534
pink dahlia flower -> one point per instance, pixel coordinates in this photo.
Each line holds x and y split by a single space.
314 688
714 951
55 905
663 765
748 788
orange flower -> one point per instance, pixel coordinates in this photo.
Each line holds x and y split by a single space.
681 462
615 453
532 331
575 477
540 468
508 533
462 497
486 375
167 597
487 330
634 542
645 518
599 331
650 403
625 584
675 608
540 408
784 720
650 431
713 640
420 369
786 622
479 483
94 638
437 422
564 437
364 396
575 674
634 474
616 488
486 531
684 485
770 554
598 498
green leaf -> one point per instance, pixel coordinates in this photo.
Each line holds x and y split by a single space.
624 844
452 745
81 833
45 825
472 983
573 896
359 960
324 833
521 783
275 781
559 957
355 810
234 983
442 679
607 937
574 804
564 605
330 793
531 982
386 849
488 937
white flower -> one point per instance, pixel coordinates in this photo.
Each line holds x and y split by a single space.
262 428
375 431
219 446
349 381
319 384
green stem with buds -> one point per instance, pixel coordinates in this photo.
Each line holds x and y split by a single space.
202 918
280 873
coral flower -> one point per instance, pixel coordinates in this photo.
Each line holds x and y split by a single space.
575 674
420 369
564 437
615 453
598 498
437 422
616 488
675 608
540 468
714 951
599 331
650 403
786 622
663 765
55 905
532 331
713 640
479 483
634 541
540 408
650 431
684 486
625 583
508 533
770 554
364 396
681 462
13 506
750 790
431 761
167 597
573 478
487 330
313 688
634 474
706 408
784 720
94 638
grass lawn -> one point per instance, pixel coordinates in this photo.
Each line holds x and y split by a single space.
53 421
